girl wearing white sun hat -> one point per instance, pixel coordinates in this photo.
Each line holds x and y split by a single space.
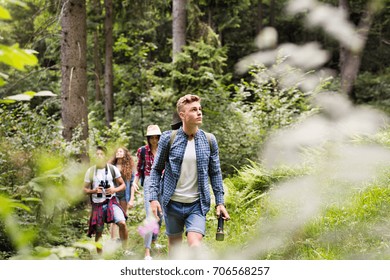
145 155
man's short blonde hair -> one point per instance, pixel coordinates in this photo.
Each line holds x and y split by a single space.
186 99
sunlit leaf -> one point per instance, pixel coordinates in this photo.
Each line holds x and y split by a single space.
4 14
45 93
20 97
21 206
6 101
3 76
31 199
30 93
7 205
17 57
19 3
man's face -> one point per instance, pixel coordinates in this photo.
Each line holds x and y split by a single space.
191 114
100 156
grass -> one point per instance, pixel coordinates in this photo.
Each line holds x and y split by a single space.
355 231
357 228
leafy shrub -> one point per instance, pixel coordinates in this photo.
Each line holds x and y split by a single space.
373 88
252 180
22 131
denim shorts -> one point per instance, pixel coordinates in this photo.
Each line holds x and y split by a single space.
118 215
121 195
177 215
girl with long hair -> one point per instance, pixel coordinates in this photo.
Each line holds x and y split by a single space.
123 160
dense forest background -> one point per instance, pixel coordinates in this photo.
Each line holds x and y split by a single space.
76 74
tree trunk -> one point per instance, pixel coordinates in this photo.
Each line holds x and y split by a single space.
344 5
272 13
260 16
96 53
210 13
178 26
108 68
350 60
74 70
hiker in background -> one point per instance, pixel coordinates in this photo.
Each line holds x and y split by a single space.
123 160
188 160
145 155
176 121
99 183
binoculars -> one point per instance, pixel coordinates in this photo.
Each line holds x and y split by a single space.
220 235
105 185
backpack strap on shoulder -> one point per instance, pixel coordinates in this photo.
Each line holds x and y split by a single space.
112 170
143 152
92 171
91 174
208 135
142 173
173 135
112 174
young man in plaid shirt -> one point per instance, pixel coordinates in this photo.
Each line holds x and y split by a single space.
188 163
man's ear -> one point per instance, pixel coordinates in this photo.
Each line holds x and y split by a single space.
181 115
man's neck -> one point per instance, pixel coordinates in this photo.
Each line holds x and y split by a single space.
190 131
100 165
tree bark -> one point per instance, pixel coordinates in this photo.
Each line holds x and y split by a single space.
210 14
350 60
344 5
74 70
178 26
97 54
260 16
108 68
272 13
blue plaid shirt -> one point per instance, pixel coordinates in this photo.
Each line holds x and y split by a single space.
207 163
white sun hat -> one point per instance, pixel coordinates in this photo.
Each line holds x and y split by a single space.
152 130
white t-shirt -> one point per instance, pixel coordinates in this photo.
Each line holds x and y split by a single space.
187 186
101 175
